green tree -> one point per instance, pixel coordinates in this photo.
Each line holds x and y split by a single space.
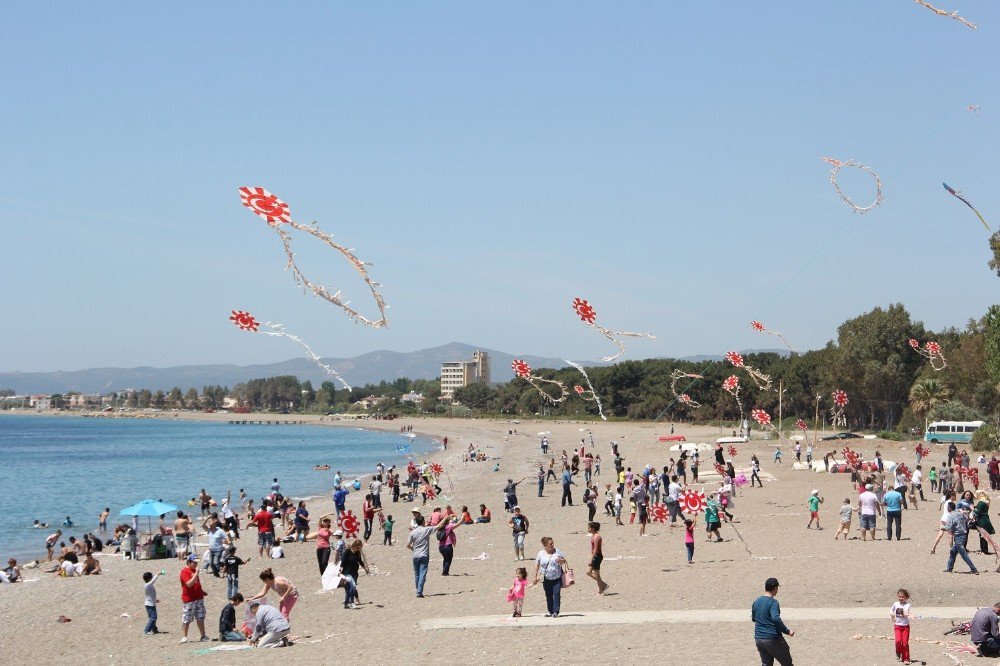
991 330
986 438
175 399
954 410
927 394
475 396
191 398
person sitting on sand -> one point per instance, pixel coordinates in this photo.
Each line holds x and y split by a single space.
484 514
12 572
91 565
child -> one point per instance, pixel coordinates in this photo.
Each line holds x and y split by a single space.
516 593
900 615
689 537
933 476
231 567
777 455
227 620
814 501
845 520
149 590
387 528
632 508
618 508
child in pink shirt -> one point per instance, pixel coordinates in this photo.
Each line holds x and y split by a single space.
689 537
516 592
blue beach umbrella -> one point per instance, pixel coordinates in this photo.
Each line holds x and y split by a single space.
148 508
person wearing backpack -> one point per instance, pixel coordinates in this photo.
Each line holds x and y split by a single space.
519 525
446 542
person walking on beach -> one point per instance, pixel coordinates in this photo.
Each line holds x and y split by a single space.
868 507
447 542
541 480
899 613
549 564
192 598
845 520
149 592
755 471
814 501
419 543
769 631
596 556
894 502
515 594
777 456
689 537
265 529
958 525
519 524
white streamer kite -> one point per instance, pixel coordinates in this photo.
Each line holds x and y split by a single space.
762 381
932 352
943 12
246 322
588 315
277 213
837 166
523 370
588 394
760 328
683 398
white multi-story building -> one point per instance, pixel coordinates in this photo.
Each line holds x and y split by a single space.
456 374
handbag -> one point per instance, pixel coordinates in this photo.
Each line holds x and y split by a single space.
567 578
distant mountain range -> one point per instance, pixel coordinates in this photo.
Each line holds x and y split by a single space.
368 368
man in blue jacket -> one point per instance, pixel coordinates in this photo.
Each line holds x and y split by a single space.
768 627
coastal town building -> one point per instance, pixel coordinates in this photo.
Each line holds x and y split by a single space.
456 374
369 402
412 396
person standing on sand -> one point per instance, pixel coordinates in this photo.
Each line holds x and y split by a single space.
287 593
868 507
814 501
567 481
192 598
596 556
419 543
541 480
50 542
519 525
894 502
769 631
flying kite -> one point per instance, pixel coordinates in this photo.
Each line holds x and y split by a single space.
837 411
974 108
246 322
762 418
588 316
932 352
760 328
277 213
837 166
943 12
683 398
802 425
523 371
732 451
762 381
588 394
732 386
958 195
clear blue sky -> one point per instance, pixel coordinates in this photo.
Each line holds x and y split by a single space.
494 161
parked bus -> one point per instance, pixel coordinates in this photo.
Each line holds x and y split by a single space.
951 431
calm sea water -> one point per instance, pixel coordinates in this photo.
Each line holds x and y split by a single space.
58 466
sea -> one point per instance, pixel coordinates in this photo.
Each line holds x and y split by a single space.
52 467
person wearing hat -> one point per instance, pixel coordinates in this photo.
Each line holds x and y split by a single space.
192 598
768 629
413 521
519 526
814 501
270 626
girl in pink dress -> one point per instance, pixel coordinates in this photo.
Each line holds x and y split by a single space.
516 593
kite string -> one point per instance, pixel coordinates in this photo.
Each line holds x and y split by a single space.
594 397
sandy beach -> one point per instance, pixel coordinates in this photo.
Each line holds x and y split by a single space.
835 595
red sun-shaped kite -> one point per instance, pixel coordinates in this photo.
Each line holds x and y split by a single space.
684 397
932 348
349 523
693 501
659 512
761 417
266 205
757 326
802 425
720 469
732 450
584 310
578 389
437 469
244 320
852 458
901 468
521 369
735 358
914 343
840 398
731 384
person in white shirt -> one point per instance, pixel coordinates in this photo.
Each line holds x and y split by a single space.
868 508
917 479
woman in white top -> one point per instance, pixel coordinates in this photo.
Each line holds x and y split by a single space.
549 564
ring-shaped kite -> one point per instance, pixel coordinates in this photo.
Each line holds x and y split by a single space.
837 166
277 213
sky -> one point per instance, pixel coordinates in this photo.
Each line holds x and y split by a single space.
493 161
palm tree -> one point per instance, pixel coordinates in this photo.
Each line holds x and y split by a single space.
927 394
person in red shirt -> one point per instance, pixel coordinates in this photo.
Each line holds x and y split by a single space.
192 597
265 530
